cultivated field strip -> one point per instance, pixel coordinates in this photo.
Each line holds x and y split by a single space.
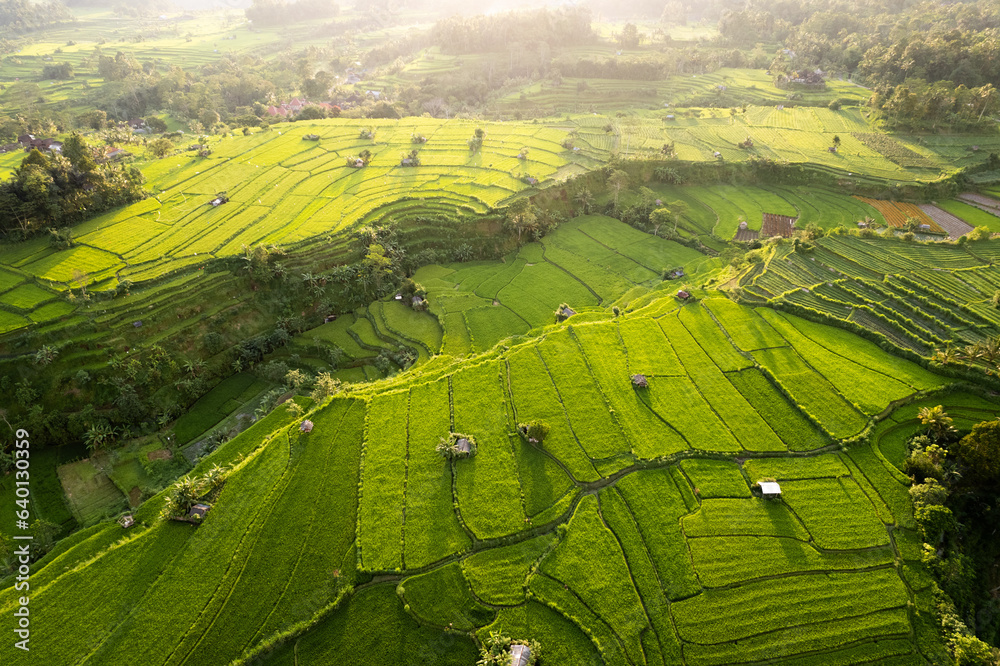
916 296
663 549
658 566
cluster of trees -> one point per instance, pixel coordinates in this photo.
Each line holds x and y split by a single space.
983 354
188 490
917 105
955 492
60 72
57 190
279 12
20 16
659 65
565 26
930 64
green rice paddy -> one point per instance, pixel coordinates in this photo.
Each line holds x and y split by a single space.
471 543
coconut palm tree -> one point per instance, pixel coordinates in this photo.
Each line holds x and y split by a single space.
991 350
215 476
185 492
945 356
584 199
937 420
973 353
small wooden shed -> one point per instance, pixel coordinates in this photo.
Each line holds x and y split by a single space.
197 512
126 521
683 295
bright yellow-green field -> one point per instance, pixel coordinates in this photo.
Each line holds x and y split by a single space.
283 188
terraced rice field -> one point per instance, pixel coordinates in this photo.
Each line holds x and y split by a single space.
743 86
656 568
799 135
285 190
916 295
588 262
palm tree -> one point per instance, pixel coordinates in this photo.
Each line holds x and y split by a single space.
194 367
618 180
215 476
991 350
945 357
584 199
973 353
98 436
937 420
987 93
185 492
46 355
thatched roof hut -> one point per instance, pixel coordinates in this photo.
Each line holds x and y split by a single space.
306 426
640 381
126 521
683 295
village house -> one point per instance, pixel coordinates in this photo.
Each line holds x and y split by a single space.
115 153
29 143
291 108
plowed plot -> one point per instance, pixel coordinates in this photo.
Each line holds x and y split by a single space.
984 202
950 223
777 225
896 213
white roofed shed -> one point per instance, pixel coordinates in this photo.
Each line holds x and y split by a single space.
770 489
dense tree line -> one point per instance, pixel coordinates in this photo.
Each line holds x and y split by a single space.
882 43
918 105
656 66
956 493
19 16
931 65
565 26
56 190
